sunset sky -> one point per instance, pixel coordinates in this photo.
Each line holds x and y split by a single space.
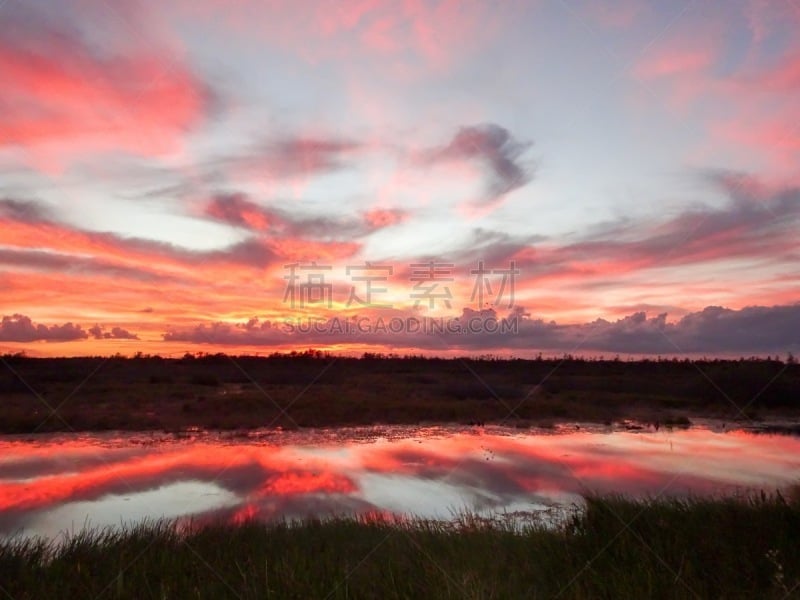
632 168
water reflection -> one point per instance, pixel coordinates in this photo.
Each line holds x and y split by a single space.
53 483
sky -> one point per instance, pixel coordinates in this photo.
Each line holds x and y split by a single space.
454 177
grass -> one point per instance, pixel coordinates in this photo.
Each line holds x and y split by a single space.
221 392
616 548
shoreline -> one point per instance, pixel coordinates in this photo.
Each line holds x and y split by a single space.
370 432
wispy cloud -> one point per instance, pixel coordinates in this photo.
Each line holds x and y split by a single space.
291 157
495 149
61 91
239 210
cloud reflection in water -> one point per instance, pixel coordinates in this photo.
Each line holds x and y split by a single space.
62 482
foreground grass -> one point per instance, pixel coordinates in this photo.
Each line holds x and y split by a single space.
669 549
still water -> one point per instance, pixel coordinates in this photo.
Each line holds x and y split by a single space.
53 483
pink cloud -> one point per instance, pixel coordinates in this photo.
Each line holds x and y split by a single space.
681 65
781 77
240 210
60 92
765 17
381 217
616 14
674 62
765 117
425 35
738 94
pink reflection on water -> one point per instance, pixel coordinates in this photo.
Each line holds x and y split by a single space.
48 483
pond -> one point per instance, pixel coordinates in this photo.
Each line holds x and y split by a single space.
53 483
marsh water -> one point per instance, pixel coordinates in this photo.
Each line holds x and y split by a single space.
55 483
